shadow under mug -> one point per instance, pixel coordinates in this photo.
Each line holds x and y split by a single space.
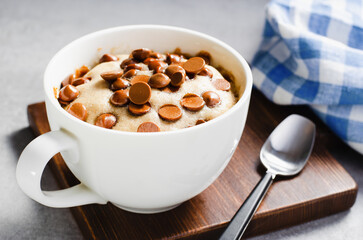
138 172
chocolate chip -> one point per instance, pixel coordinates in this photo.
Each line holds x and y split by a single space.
139 109
78 110
108 58
205 55
170 112
140 93
127 62
106 120
206 72
211 98
133 66
221 84
120 98
80 81
159 80
157 66
194 65
111 75
140 78
192 102
199 121
130 73
148 127
68 93
173 58
80 72
141 54
68 80
176 74
120 83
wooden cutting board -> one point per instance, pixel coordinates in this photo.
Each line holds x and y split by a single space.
323 188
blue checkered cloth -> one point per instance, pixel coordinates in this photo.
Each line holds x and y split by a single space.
312 53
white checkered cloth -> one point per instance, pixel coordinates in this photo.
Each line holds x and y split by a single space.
312 53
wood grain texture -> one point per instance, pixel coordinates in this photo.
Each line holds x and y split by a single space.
322 188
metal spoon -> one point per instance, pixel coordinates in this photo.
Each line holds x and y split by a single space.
285 152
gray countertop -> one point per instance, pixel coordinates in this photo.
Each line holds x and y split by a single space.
31 32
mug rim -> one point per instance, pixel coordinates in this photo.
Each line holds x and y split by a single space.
245 97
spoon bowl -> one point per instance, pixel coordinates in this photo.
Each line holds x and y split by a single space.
285 152
289 146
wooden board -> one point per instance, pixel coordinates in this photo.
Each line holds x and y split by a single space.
323 188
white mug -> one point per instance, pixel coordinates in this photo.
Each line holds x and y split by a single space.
138 172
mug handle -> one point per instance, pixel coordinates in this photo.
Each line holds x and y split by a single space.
30 168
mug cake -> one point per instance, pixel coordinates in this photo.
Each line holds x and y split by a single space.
147 91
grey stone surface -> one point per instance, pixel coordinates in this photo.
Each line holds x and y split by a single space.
31 32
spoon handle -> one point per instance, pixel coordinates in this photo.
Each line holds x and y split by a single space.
242 218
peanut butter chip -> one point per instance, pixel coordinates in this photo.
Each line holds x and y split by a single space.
173 58
150 59
130 73
205 55
192 102
194 65
199 121
206 72
157 55
141 54
127 61
159 80
68 80
108 58
221 84
170 112
140 78
157 66
140 93
190 76
80 81
80 72
120 98
68 93
55 92
139 109
78 110
63 103
211 98
148 127
176 74
111 75
133 66
106 120
170 89
120 83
